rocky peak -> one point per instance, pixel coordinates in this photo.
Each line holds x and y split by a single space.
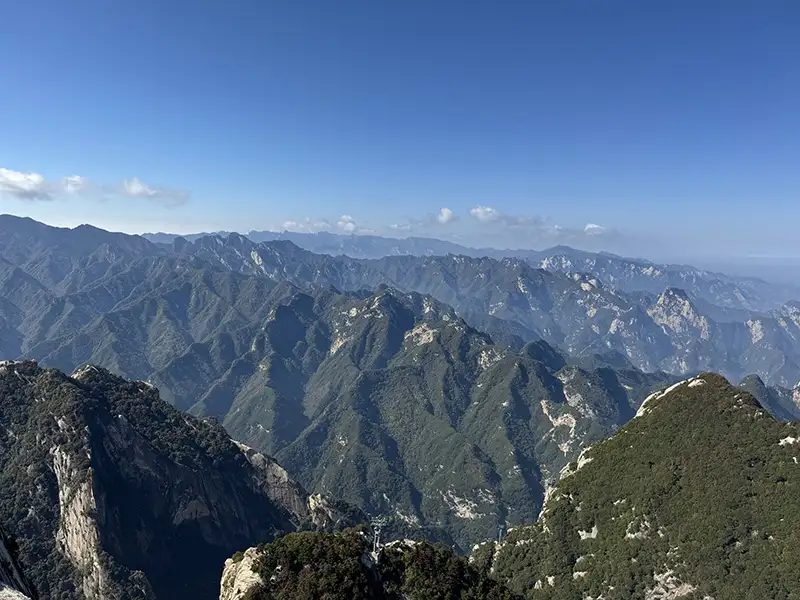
127 498
675 311
782 402
587 281
692 497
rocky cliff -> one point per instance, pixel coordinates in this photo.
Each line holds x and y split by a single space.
111 493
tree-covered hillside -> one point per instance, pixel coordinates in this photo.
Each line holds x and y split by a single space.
311 566
394 404
697 497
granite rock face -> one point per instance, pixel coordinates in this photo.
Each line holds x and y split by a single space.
111 493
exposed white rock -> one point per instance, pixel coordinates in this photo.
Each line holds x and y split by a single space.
788 441
463 508
408 519
8 593
640 533
338 341
645 405
756 327
565 420
489 357
83 371
256 258
77 536
675 312
668 587
238 577
421 334
582 461
588 535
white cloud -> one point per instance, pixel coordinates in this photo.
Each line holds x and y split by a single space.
445 216
487 227
346 223
23 186
136 188
33 186
594 229
74 184
485 214
307 225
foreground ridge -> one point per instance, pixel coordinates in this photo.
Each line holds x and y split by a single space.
111 493
695 497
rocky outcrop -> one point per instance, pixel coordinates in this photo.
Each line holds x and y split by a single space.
126 498
77 536
674 311
238 576
276 483
342 566
274 480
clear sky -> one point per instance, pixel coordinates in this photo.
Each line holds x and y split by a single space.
663 126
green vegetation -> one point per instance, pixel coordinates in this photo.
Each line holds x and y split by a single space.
306 566
702 491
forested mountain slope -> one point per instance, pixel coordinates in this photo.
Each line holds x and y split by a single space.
71 296
578 312
697 497
395 405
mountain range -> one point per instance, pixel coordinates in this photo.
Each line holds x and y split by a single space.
626 274
676 330
502 370
452 396
55 284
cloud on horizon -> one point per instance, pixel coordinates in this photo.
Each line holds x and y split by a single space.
485 226
136 188
446 216
23 186
33 187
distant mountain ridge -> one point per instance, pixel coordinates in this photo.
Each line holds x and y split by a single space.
626 274
577 312
57 283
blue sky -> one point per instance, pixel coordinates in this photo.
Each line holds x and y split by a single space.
673 126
